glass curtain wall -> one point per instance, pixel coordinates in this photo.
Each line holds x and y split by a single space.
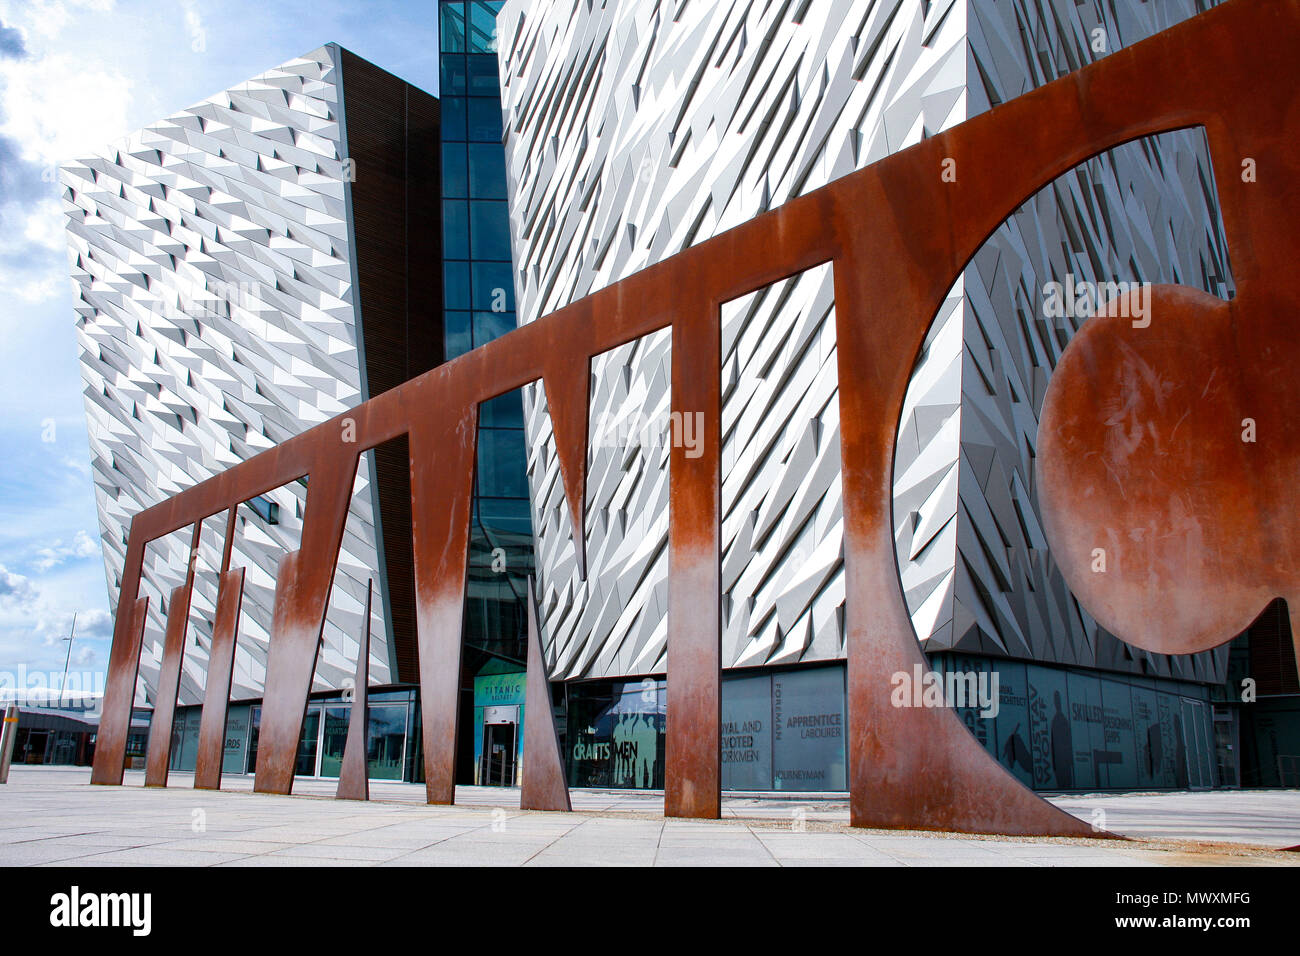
479 307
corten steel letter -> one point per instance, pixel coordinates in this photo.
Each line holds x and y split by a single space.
442 481
543 786
221 666
693 755
216 695
898 235
301 597
158 761
354 778
123 665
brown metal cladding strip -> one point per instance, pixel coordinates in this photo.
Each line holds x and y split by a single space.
354 780
543 786
216 694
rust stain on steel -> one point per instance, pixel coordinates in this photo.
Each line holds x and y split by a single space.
897 235
1173 528
543 786
221 665
354 777
157 763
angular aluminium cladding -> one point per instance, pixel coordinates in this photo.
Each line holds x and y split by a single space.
636 130
243 275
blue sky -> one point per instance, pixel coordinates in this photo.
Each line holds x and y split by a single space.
74 76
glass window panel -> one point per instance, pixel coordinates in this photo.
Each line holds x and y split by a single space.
617 735
385 736
483 26
459 340
253 726
510 516
455 172
489 326
453 81
494 284
504 411
452 119
808 730
455 229
489 230
487 171
485 119
501 458
747 733
233 752
400 696
456 285
484 80
452 31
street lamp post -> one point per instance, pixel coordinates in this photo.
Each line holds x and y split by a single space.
67 660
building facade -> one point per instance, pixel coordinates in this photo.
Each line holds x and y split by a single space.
257 264
636 130
246 272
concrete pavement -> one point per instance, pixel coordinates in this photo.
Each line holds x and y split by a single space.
50 816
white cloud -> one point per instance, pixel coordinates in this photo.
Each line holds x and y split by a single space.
60 107
82 546
47 18
16 591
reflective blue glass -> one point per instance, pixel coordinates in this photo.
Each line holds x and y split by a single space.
506 514
484 119
455 229
455 171
489 230
452 81
501 457
457 329
484 79
455 289
453 117
451 33
492 325
487 171
493 283
483 26
504 411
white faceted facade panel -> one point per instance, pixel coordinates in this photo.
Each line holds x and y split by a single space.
1145 212
634 131
217 318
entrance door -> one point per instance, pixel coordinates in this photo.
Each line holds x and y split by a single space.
500 727
307 744
1225 746
334 735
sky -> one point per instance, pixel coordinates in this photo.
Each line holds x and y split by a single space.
76 75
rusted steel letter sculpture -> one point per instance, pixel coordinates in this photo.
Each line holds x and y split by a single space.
897 235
